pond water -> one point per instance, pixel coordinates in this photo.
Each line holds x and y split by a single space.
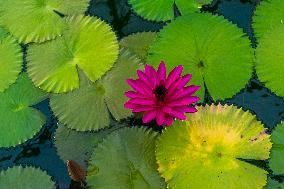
40 151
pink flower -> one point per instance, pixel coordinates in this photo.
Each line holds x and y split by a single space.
160 97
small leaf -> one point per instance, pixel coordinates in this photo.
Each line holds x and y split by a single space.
19 177
207 150
196 41
88 44
139 43
38 21
276 162
21 122
76 171
125 159
11 59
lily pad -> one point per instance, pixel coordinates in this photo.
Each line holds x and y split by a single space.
272 184
19 120
19 177
86 108
78 146
125 160
269 60
88 44
139 43
207 150
276 162
161 10
38 21
11 59
268 14
216 52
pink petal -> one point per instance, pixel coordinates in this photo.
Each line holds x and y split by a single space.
160 119
149 116
162 71
184 101
139 86
142 101
184 80
187 109
168 120
143 77
174 75
174 113
151 73
185 92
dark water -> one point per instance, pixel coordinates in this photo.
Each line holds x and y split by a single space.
40 151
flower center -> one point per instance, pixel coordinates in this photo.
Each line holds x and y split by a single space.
160 92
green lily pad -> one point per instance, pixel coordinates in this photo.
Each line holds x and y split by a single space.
206 150
268 14
269 60
161 10
125 160
272 184
216 52
86 108
139 43
11 60
38 20
276 162
20 121
19 177
78 146
88 44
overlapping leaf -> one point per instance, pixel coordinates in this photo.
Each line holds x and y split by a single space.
88 44
269 60
161 10
78 146
207 149
139 43
19 121
19 177
10 61
268 14
38 21
272 184
87 108
125 160
214 51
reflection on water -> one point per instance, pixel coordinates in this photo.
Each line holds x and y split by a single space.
40 151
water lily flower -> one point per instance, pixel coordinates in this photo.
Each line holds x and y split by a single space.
160 97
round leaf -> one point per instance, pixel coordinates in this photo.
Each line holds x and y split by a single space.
161 10
276 162
11 60
78 146
38 21
269 60
88 44
214 51
268 14
125 160
87 108
139 43
206 150
21 122
19 177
